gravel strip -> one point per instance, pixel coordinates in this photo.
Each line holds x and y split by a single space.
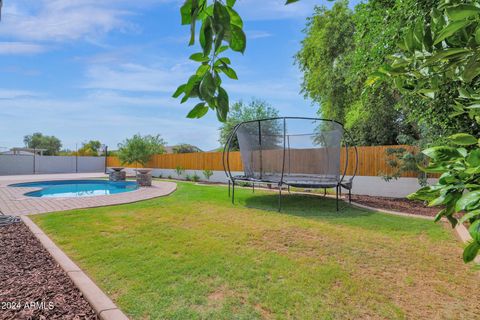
33 286
397 204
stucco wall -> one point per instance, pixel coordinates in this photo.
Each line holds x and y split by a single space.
373 186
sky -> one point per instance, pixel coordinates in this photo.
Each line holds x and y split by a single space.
106 69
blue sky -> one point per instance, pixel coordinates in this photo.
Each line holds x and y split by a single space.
106 69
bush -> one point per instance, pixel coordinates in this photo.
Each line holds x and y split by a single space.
207 174
188 177
195 177
169 177
179 171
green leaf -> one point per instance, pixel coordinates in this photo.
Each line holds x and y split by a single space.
442 153
206 36
198 111
450 30
463 139
462 12
468 201
238 40
291 1
235 18
186 12
179 91
199 57
202 70
223 104
473 159
229 72
474 230
471 251
207 86
470 215
231 3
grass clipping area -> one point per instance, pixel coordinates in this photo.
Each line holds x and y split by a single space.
193 255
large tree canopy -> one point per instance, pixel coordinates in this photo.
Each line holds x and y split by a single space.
343 47
140 149
39 141
240 112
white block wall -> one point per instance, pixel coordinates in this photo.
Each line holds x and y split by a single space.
21 164
372 186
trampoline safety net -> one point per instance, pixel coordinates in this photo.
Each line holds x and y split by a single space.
292 151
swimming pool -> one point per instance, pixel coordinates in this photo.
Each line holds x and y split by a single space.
77 188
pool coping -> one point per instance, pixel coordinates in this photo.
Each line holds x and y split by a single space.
105 308
14 202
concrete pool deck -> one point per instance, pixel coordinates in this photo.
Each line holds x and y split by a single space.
14 202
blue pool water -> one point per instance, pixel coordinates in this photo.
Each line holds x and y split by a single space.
77 188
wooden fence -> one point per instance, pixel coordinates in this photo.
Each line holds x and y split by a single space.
372 161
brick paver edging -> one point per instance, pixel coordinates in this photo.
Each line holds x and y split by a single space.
101 303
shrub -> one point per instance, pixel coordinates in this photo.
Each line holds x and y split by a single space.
169 177
179 170
195 177
207 174
188 177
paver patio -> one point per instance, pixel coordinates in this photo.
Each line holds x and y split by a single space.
14 202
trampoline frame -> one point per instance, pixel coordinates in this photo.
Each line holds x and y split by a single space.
333 184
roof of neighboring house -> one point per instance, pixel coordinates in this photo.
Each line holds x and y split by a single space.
24 151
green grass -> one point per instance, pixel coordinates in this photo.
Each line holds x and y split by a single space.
194 255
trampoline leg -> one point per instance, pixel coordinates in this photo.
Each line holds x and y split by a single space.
349 195
337 197
253 187
288 189
233 192
340 190
229 188
324 192
279 198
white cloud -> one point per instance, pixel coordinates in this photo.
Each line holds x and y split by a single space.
136 77
7 94
8 48
257 34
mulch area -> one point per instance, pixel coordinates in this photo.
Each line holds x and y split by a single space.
32 284
397 204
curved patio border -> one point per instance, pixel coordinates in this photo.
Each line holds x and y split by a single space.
14 202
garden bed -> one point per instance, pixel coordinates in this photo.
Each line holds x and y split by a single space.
33 285
396 204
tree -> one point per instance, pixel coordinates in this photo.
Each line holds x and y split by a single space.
342 47
221 29
39 141
185 148
90 148
140 149
256 109
438 57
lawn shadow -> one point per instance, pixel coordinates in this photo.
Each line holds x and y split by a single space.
319 208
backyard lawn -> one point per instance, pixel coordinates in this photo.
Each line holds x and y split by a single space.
193 255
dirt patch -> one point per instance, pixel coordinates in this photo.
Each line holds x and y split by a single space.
397 204
33 284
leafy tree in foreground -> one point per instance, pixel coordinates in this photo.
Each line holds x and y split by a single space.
39 141
140 149
221 29
256 109
438 54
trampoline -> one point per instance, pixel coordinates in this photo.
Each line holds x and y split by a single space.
293 152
